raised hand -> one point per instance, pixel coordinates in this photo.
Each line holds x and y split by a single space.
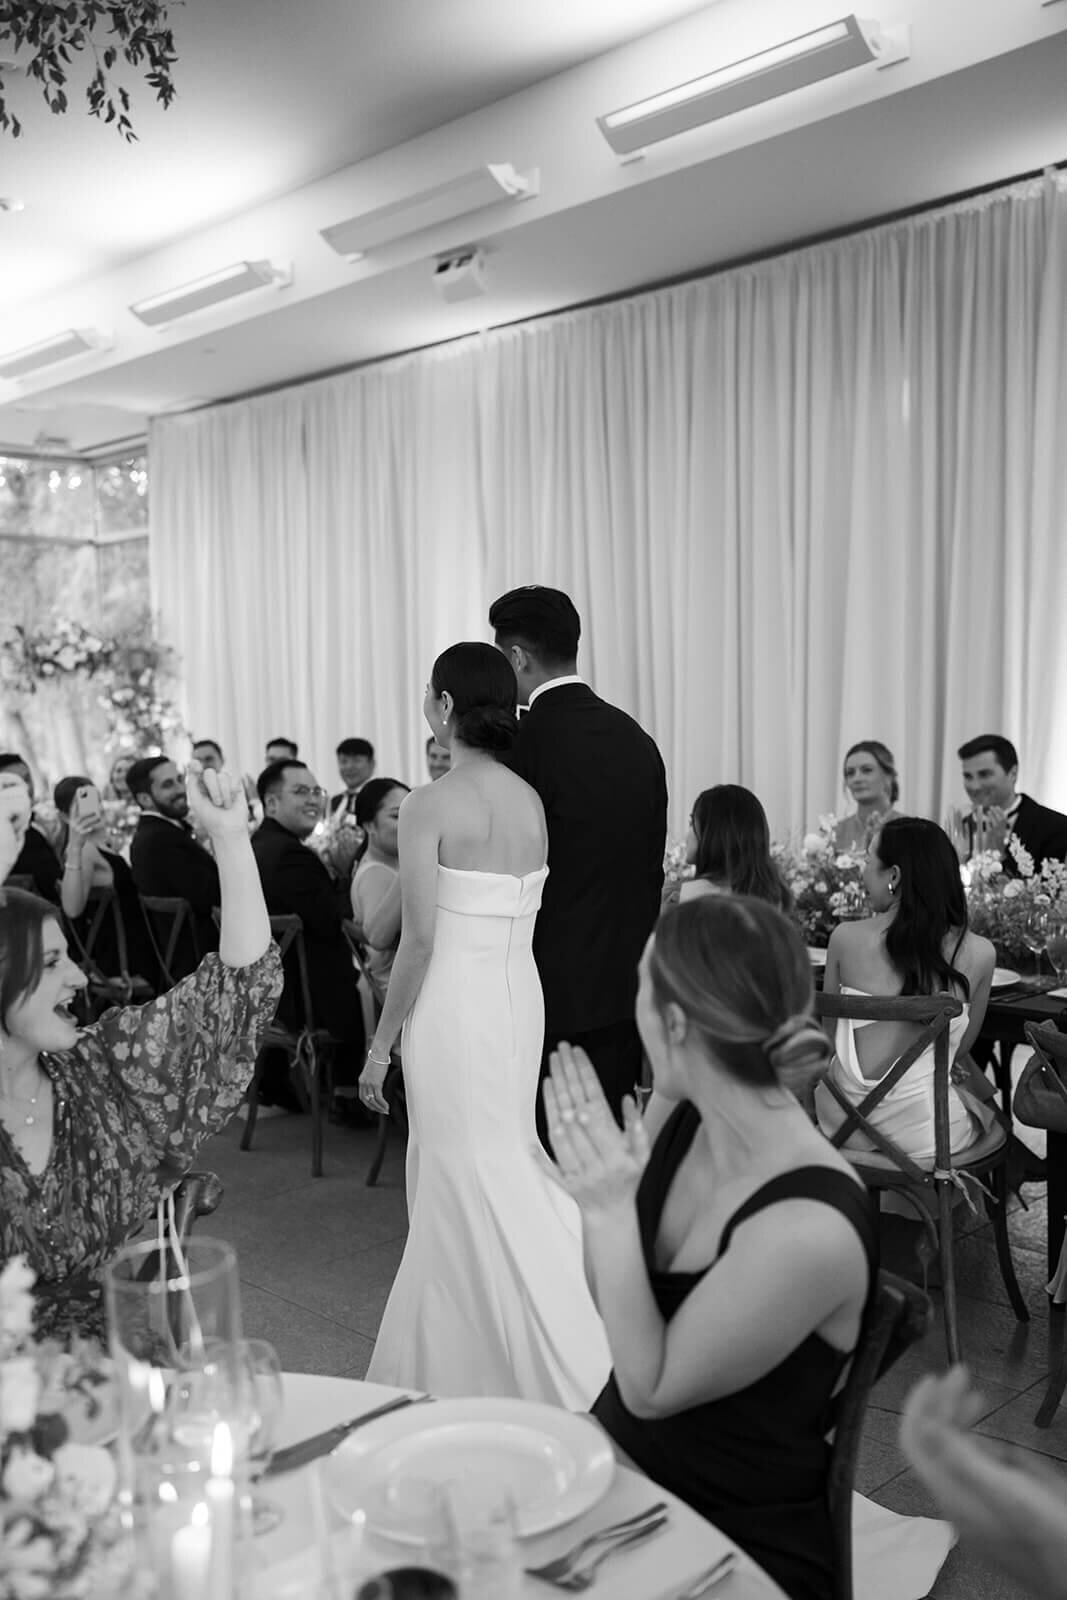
600 1164
1005 1505
216 803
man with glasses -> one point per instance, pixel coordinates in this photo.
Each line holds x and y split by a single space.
167 860
295 882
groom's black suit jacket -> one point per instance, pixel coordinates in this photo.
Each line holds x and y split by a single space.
604 790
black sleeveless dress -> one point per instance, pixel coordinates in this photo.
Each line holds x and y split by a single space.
755 1463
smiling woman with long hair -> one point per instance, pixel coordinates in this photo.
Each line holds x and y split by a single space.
97 1123
916 942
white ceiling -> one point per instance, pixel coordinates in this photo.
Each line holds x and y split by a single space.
290 118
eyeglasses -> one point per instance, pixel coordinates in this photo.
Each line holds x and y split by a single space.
302 791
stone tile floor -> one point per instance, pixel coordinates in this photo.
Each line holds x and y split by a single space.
317 1257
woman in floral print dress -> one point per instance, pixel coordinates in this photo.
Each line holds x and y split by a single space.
97 1123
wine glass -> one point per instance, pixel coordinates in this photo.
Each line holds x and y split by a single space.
1035 932
1056 947
262 1398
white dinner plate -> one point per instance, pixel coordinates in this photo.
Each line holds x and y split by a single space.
1003 977
816 957
552 1465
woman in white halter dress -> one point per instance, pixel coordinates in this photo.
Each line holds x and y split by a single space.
491 1296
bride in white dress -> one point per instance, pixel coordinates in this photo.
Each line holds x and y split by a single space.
491 1296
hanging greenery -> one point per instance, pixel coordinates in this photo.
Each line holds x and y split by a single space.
45 38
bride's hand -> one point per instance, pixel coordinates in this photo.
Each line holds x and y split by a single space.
599 1163
372 1083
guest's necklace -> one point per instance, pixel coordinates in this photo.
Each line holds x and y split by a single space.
29 1117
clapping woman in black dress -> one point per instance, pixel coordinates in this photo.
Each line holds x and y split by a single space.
729 1248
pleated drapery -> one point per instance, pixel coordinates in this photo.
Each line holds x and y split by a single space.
801 503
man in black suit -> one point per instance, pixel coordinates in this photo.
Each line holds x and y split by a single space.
355 764
295 882
990 772
604 790
167 860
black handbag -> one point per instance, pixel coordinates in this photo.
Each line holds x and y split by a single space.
1040 1099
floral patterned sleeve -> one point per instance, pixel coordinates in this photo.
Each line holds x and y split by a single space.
181 1063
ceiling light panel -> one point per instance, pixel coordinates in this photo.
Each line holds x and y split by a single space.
64 346
792 64
471 191
226 284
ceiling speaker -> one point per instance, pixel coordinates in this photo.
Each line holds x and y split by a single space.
461 276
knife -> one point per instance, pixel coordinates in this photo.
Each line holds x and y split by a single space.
322 1444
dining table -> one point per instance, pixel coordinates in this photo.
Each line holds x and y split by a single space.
315 1553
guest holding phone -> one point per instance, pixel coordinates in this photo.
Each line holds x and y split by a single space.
89 866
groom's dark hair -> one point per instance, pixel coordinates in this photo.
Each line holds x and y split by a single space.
543 621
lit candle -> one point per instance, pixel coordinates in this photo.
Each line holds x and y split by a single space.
220 1494
190 1556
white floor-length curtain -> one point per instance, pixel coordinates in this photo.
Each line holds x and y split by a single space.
798 504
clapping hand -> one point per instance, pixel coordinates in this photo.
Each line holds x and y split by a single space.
216 803
1006 1506
15 808
599 1163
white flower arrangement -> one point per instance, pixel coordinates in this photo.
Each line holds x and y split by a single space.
59 1536
826 882
1001 906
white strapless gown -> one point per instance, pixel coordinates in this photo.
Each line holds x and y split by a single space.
490 1298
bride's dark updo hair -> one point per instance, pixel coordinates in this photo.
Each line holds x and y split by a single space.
484 694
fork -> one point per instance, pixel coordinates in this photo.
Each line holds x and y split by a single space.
558 1568
582 1575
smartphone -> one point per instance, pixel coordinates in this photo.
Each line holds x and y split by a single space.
87 803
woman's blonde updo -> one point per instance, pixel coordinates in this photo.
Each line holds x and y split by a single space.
739 971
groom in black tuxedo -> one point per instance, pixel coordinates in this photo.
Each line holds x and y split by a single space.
990 772
604 790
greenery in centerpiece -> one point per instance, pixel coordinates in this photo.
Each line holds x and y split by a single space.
1013 910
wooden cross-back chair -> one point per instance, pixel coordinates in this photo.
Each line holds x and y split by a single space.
897 1316
931 1191
169 918
309 1049
393 1087
121 988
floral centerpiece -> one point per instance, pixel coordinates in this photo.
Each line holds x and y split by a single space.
1015 910
60 1537
676 869
826 883
338 841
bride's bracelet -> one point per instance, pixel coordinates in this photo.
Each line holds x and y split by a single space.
378 1062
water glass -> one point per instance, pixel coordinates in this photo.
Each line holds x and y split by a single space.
262 1397
1056 948
485 1551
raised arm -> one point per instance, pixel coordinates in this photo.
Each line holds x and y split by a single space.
218 806
418 840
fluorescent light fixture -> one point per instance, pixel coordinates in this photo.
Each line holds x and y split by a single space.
226 284
485 186
784 67
74 342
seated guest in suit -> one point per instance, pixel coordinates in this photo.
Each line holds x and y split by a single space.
438 759
89 865
871 779
209 754
355 764
97 1124
166 858
730 1249
729 844
602 783
295 882
281 749
36 859
376 882
990 772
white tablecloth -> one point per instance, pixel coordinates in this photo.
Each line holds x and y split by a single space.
289 1561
